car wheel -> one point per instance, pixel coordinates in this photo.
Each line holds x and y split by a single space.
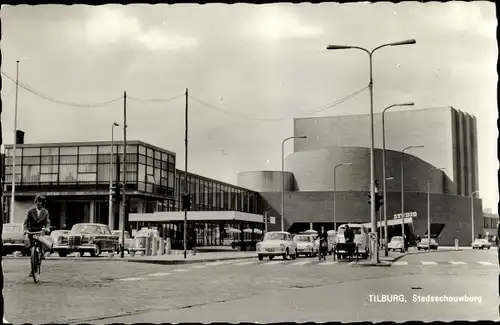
271 257
97 251
285 255
489 247
294 256
261 257
62 254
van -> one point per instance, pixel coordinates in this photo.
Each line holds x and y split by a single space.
361 239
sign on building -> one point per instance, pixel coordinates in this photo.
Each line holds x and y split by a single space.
268 219
407 215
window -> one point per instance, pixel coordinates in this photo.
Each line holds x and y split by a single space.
141 173
149 170
132 149
170 180
157 163
131 177
171 159
31 160
50 151
142 159
31 152
87 168
70 160
87 178
87 159
105 159
150 152
88 150
31 174
105 149
68 173
150 179
142 150
103 173
8 160
141 186
171 167
164 182
47 178
68 151
157 155
131 158
50 160
48 169
149 161
157 176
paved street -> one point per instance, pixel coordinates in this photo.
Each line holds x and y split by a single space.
248 290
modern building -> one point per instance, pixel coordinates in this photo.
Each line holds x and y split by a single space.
490 225
449 140
75 177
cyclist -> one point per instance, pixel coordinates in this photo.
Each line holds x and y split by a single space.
37 219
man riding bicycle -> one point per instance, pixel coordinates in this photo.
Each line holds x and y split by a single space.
37 219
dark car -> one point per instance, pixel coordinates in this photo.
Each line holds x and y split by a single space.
93 238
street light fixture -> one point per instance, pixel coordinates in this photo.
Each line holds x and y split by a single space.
472 214
370 85
386 243
283 177
403 188
429 203
111 221
335 192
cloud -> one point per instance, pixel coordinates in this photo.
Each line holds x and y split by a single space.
109 26
467 17
274 23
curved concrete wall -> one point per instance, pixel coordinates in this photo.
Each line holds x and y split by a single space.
265 181
313 170
451 210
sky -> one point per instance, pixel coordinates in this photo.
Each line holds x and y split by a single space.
249 69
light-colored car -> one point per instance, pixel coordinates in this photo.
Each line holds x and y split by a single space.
277 243
14 239
60 239
425 244
481 244
128 240
306 245
396 244
361 240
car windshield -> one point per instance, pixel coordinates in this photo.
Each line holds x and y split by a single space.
85 229
355 230
480 240
12 228
426 241
396 239
275 236
302 239
119 233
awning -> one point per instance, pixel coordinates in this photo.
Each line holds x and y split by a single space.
177 216
389 223
232 230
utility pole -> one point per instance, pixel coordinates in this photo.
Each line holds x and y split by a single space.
124 162
13 192
186 184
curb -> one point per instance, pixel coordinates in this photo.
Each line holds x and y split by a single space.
437 251
384 264
176 262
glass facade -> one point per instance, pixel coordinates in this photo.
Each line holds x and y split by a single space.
147 169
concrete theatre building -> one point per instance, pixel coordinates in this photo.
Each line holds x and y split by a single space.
450 142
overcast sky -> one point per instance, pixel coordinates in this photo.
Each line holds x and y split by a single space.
248 62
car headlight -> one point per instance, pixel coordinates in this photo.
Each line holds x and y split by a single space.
91 240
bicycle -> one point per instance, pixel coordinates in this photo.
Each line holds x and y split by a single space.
36 252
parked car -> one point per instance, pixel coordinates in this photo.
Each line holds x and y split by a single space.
14 239
93 238
139 242
128 240
481 244
306 245
277 243
59 238
396 244
425 244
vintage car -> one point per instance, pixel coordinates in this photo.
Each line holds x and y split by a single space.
481 244
361 240
128 240
396 244
425 244
14 240
306 245
93 238
277 243
139 243
59 238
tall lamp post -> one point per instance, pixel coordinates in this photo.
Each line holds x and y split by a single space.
13 189
335 192
370 85
283 178
472 214
384 171
111 221
429 203
403 188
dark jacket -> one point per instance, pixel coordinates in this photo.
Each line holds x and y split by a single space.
349 235
34 223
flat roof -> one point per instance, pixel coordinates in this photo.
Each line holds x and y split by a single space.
174 216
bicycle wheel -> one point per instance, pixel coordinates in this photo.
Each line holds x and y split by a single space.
35 264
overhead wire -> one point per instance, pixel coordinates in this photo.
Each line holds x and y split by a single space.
312 112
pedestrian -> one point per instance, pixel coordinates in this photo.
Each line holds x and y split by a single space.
323 241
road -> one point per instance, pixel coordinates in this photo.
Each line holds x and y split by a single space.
75 291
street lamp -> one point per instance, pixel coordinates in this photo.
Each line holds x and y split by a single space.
384 171
335 192
283 178
472 214
429 203
370 85
403 188
111 220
